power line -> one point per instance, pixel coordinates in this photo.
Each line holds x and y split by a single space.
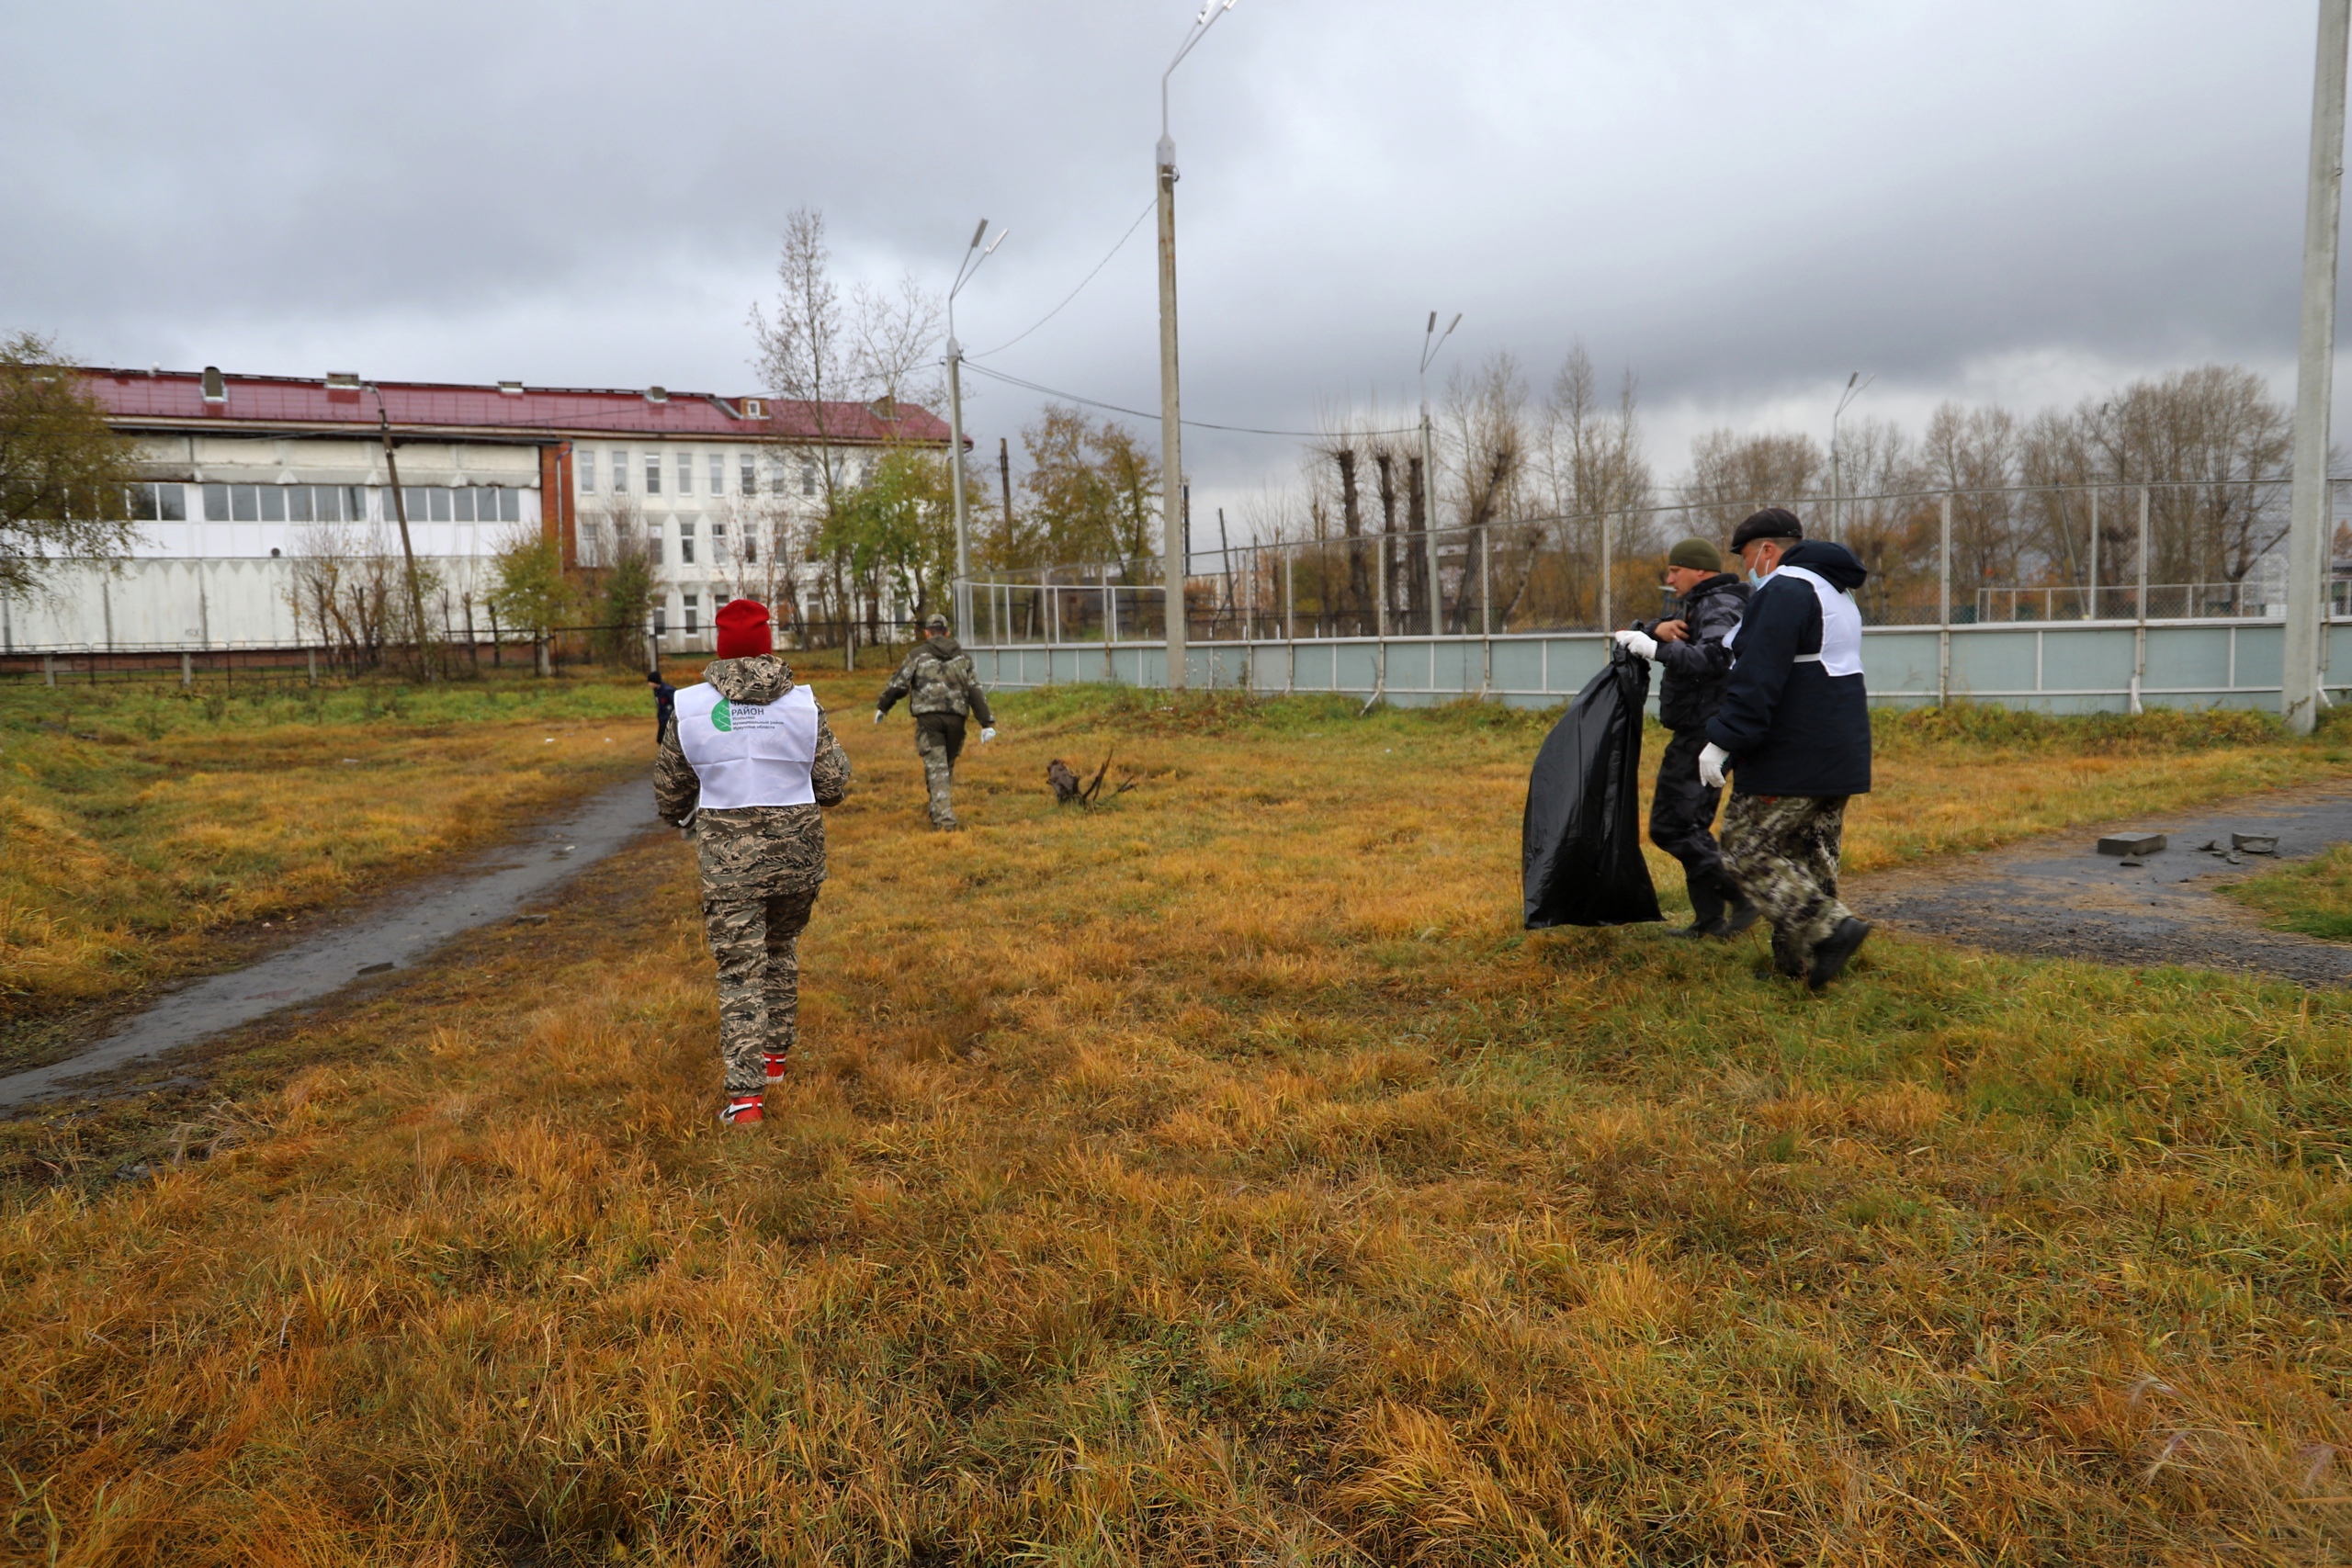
1194 423
1081 284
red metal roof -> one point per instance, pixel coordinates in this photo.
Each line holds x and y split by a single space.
174 399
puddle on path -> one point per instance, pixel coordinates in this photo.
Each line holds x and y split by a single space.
2059 897
395 936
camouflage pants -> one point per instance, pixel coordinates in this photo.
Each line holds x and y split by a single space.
1782 851
756 939
939 739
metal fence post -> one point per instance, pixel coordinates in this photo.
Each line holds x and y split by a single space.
2091 611
2140 630
1485 610
49 670
1943 607
311 655
187 670
1290 620
1606 601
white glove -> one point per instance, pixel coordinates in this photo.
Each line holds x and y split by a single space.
1641 644
1710 765
877 716
987 732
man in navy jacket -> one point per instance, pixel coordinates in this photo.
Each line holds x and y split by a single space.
1794 729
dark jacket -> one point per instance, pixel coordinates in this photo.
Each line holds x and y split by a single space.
1794 728
1695 670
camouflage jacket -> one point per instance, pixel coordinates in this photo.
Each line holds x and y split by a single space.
752 851
937 677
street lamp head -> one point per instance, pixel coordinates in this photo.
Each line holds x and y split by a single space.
1433 326
1000 233
976 236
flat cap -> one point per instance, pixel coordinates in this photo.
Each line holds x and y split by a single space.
1773 523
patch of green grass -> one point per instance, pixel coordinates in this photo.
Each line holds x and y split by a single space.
2313 897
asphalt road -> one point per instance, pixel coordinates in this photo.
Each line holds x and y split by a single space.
2059 897
396 935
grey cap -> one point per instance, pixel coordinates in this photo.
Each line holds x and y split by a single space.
934 623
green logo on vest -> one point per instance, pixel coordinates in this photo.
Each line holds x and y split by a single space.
722 718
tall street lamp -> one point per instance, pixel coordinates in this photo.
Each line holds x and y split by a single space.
1856 385
1431 342
973 258
1178 551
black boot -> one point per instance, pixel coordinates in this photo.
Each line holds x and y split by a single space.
1743 911
1706 908
1829 958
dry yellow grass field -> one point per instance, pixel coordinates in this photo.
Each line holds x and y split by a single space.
140 824
1221 1177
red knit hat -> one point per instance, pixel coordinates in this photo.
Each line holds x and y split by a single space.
744 629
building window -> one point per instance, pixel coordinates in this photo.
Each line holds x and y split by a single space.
245 504
660 619
653 473
748 478
585 464
718 473
216 504
686 542
157 503
694 614
686 473
620 473
273 503
653 542
718 544
750 544
808 476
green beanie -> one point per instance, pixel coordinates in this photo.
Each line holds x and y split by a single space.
1696 554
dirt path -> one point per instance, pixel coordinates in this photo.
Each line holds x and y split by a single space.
2059 897
492 885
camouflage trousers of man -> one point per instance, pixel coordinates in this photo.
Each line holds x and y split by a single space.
1782 851
939 740
756 939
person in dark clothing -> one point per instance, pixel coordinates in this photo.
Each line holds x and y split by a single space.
1690 649
1794 728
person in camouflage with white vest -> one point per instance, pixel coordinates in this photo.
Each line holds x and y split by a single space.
942 690
745 766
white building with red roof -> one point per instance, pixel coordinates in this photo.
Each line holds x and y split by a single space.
248 477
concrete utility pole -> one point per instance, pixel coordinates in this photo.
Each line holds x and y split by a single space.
400 511
1178 544
1431 341
973 258
2307 528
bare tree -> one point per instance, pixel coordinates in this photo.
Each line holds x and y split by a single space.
1594 477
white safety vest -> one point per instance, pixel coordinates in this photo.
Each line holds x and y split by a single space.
749 754
1841 625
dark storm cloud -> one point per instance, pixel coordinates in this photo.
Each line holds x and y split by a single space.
1740 200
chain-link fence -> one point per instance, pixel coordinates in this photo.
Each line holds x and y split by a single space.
2160 551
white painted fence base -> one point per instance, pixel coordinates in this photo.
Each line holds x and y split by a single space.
2055 667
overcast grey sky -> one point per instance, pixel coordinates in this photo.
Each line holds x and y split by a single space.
1744 200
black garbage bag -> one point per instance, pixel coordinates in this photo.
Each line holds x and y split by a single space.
1580 843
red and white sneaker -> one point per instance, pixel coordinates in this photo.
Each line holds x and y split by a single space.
777 1066
740 1108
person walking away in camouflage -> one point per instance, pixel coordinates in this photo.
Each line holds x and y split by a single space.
1794 727
1691 650
744 767
942 690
